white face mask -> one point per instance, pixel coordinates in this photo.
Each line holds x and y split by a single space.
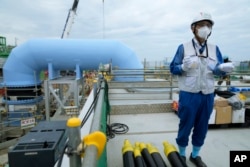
203 32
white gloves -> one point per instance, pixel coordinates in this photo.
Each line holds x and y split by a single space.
226 67
188 63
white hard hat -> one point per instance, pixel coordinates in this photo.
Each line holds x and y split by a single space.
203 16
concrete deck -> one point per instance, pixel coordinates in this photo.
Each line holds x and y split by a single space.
156 128
148 126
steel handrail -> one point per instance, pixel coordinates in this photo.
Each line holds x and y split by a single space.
90 153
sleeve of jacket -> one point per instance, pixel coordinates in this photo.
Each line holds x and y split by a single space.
216 70
175 65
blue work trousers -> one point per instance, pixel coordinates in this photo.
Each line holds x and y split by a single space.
194 112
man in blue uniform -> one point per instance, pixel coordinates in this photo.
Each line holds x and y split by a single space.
195 63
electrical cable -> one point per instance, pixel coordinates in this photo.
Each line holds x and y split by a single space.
59 164
116 128
90 110
82 123
103 19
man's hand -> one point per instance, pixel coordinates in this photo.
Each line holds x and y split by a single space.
226 67
188 63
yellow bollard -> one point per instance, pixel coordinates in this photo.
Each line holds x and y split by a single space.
73 125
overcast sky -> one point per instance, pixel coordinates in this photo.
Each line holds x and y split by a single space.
151 28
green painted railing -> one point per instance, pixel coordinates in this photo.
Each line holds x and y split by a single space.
99 123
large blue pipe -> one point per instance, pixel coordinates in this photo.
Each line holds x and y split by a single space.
26 61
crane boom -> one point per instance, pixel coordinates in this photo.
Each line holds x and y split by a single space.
70 19
75 4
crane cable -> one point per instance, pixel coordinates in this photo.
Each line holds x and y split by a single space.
103 20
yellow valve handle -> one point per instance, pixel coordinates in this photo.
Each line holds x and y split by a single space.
96 138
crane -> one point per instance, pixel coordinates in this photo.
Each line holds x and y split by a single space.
70 19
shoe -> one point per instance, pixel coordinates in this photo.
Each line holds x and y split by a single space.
197 161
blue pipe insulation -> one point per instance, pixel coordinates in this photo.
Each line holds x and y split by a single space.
27 60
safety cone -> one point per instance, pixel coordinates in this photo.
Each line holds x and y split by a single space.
146 156
173 155
128 154
154 152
